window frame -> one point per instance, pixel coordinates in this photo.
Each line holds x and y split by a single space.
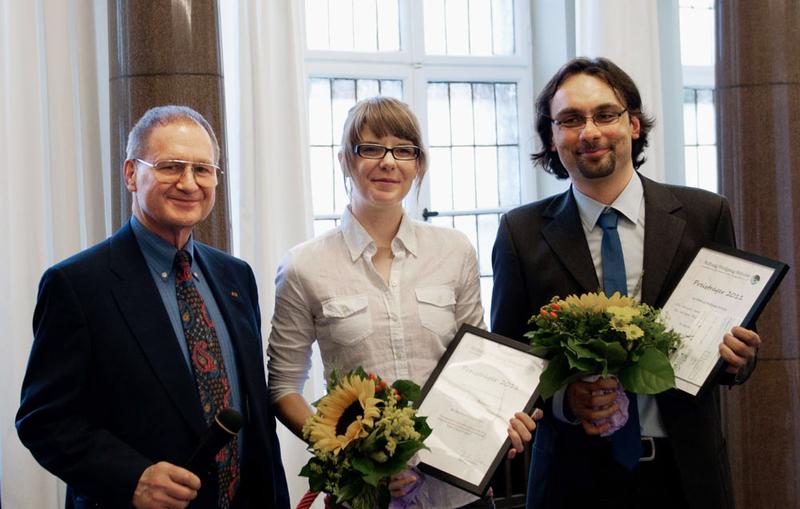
415 69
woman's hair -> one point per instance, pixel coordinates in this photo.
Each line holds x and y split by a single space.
384 116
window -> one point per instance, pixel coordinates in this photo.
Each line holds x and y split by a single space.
697 57
464 68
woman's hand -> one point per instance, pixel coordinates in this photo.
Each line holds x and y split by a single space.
520 431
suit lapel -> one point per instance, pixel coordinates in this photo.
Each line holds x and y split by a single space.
662 236
230 300
564 233
144 313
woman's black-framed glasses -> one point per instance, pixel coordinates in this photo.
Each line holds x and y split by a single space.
400 152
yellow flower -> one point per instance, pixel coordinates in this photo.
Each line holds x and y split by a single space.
622 314
632 331
595 302
343 415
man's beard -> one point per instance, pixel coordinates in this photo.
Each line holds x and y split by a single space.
603 167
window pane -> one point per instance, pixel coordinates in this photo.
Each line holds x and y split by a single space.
463 178
389 25
690 158
322 177
506 94
486 181
503 27
317 24
466 225
707 167
469 27
352 25
706 119
438 114
697 32
440 179
484 113
340 23
487 231
700 138
367 88
461 113
365 22
480 27
319 111
508 168
689 117
392 88
343 97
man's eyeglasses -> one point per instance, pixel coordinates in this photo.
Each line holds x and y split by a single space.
401 153
601 119
171 170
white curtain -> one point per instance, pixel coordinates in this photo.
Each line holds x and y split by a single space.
268 158
635 35
53 130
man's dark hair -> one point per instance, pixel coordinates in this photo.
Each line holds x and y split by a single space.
625 90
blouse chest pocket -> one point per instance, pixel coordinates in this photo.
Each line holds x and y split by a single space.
348 318
436 306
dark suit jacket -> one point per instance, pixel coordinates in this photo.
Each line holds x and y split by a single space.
541 251
107 391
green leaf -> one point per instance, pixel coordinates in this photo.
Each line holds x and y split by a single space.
651 375
554 376
408 390
370 471
351 491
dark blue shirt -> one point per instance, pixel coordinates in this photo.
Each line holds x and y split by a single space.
159 255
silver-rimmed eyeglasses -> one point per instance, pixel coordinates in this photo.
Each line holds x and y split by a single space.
170 171
600 118
400 152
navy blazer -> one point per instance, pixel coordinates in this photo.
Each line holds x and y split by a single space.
107 391
541 251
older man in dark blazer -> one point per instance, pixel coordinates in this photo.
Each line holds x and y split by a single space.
593 131
141 340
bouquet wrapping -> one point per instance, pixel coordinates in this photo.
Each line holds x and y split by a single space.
364 431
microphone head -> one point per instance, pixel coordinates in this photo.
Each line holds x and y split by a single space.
229 420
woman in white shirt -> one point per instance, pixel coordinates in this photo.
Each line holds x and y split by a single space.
381 291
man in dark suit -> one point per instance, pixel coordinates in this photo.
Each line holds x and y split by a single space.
142 339
593 131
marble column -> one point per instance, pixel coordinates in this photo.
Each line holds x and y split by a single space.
166 52
758 110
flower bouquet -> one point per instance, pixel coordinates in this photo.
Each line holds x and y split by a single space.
364 431
593 334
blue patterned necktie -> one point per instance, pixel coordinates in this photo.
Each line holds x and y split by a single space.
209 370
626 442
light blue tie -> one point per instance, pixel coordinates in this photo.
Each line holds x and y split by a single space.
626 443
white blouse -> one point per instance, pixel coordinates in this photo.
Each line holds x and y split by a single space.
327 290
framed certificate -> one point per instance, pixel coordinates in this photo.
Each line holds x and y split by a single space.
480 382
722 287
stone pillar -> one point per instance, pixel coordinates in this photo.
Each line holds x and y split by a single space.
166 52
758 115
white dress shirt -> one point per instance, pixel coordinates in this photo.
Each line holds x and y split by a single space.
630 205
327 290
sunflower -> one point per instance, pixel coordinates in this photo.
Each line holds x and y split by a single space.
343 415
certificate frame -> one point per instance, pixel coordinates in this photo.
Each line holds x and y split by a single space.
438 460
748 319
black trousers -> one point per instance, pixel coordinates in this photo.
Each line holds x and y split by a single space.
650 485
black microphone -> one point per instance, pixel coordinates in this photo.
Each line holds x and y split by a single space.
226 425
